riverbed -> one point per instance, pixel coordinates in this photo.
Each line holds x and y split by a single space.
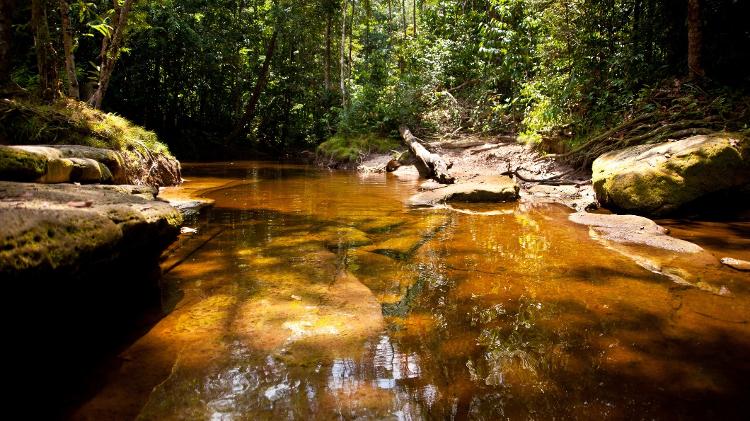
316 294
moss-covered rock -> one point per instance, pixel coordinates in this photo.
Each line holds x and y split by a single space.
19 165
659 179
65 230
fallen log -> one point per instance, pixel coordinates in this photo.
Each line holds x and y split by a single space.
429 165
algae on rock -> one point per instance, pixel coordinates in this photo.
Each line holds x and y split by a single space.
659 179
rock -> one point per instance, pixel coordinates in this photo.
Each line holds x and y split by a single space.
737 264
85 164
87 170
380 224
430 185
46 236
496 189
59 170
683 262
392 165
411 238
344 237
632 229
658 179
19 165
114 161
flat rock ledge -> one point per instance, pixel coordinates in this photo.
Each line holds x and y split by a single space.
51 232
486 190
632 229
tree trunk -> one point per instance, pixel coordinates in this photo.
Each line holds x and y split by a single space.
342 57
428 164
368 15
695 40
414 15
403 15
45 53
6 36
351 38
260 84
327 68
111 50
70 62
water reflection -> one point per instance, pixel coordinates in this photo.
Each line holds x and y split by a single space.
325 298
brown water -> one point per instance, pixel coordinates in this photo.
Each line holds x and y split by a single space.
319 295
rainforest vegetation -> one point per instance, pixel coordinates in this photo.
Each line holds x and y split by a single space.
213 77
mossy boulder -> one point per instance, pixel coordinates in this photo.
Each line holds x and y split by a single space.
661 178
53 231
20 165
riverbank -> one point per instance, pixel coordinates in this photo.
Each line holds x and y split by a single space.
480 157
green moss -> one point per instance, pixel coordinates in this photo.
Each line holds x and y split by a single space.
353 148
20 165
69 122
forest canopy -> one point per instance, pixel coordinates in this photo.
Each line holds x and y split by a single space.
283 74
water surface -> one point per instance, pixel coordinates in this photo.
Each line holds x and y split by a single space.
312 294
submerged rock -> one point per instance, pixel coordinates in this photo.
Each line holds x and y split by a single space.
344 237
58 231
658 179
491 190
737 264
633 229
681 261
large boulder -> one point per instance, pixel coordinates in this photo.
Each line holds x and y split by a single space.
487 190
51 164
59 231
658 179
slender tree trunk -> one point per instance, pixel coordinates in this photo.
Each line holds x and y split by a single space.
695 40
390 13
260 84
6 36
368 13
351 37
327 68
414 15
70 61
110 50
403 15
45 53
342 57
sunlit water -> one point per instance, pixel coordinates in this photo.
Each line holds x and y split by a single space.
319 295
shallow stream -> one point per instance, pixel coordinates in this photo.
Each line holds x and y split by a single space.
310 294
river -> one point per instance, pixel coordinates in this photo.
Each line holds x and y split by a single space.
314 294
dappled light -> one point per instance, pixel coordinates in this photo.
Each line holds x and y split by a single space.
308 310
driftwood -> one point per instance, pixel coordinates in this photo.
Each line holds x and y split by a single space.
555 180
429 165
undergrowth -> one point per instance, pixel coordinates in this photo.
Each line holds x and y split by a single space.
354 148
672 110
72 122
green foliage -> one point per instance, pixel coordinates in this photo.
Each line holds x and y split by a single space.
345 149
190 67
70 122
